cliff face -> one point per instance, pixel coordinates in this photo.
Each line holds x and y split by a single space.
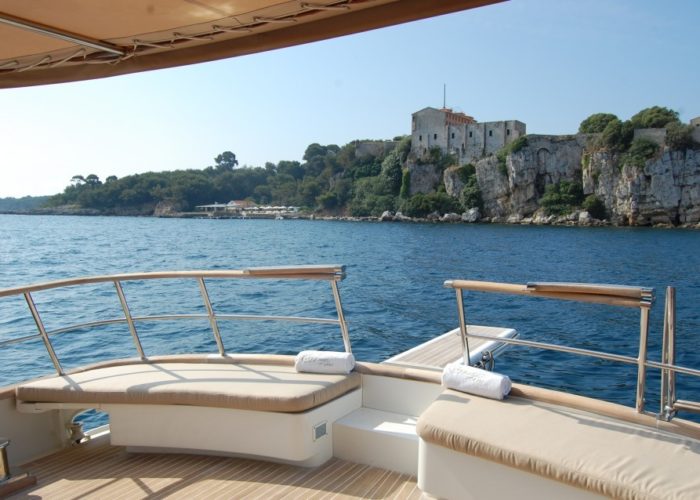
666 190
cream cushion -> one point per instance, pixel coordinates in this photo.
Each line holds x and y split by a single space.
262 387
600 454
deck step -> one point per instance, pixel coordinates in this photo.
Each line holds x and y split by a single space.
378 438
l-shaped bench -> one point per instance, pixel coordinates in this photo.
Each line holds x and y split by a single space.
536 443
259 407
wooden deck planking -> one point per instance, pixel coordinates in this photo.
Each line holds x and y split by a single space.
442 350
98 470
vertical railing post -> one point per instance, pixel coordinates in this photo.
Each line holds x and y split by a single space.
341 317
642 359
212 317
42 332
129 319
668 355
463 327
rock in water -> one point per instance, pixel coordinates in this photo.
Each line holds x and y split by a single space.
471 215
451 217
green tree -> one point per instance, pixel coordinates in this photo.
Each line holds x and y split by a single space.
314 150
617 136
226 161
654 117
309 190
328 200
92 180
370 197
292 168
77 180
679 136
596 123
403 148
391 173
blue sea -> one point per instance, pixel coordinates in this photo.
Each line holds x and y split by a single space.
393 295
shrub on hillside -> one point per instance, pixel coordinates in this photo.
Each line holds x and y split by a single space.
595 207
639 152
596 123
654 117
511 148
436 157
617 136
471 195
405 191
561 198
679 136
420 205
466 172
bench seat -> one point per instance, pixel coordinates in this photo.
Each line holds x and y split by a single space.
260 387
598 454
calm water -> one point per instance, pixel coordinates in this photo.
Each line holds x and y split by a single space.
393 295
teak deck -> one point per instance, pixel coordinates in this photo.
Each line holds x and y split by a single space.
442 350
97 470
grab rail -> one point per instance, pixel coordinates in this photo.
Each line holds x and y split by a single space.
330 273
623 296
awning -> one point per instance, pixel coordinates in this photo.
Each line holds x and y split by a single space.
53 41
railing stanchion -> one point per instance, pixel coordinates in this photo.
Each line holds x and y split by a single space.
668 354
462 327
664 407
212 316
42 332
129 319
341 317
642 359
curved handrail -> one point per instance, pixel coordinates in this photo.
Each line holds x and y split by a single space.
616 295
330 273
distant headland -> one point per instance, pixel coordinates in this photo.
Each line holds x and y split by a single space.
641 172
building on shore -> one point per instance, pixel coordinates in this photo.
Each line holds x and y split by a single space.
695 123
246 209
460 134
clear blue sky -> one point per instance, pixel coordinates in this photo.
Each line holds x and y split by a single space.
548 63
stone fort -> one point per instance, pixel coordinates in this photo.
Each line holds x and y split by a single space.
460 134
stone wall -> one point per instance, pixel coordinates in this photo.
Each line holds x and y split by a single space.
365 149
657 135
488 137
695 122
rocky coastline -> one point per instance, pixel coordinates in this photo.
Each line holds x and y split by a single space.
579 218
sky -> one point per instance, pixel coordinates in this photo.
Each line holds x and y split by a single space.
548 63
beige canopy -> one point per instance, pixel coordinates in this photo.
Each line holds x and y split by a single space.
52 41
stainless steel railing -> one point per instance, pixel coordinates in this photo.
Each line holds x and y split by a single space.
330 273
623 296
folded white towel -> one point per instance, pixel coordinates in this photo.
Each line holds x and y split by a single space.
324 362
484 383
